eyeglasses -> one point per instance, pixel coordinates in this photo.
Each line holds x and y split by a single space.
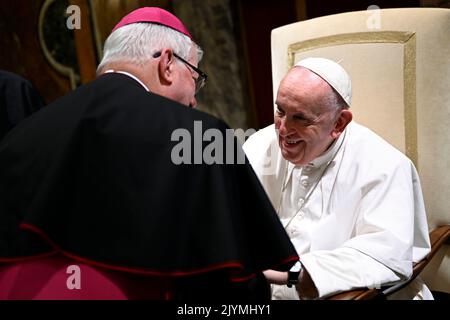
201 79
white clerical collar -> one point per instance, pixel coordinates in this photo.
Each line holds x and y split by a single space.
130 75
321 160
329 154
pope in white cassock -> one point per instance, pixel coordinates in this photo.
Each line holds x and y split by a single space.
350 202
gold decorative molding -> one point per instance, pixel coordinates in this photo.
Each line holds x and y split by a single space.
408 39
409 98
62 69
96 31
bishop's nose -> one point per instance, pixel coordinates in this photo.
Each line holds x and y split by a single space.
193 103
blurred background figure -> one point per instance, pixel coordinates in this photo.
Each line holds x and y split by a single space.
18 99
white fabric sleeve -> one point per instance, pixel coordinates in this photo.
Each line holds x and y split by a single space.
345 269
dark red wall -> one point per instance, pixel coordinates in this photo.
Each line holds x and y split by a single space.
258 19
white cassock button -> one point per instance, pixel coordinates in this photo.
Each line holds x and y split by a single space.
292 232
307 169
305 183
301 201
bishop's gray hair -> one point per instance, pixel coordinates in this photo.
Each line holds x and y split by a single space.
137 43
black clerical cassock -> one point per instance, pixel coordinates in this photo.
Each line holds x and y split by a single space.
92 177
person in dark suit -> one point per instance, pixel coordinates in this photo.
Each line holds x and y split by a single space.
95 177
18 100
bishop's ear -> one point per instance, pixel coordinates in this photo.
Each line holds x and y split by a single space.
165 66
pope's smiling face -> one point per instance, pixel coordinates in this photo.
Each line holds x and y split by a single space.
306 123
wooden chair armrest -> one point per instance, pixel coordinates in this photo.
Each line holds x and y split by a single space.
438 237
357 294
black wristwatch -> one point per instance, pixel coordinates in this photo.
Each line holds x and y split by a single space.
293 274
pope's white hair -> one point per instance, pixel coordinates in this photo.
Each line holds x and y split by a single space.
136 43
